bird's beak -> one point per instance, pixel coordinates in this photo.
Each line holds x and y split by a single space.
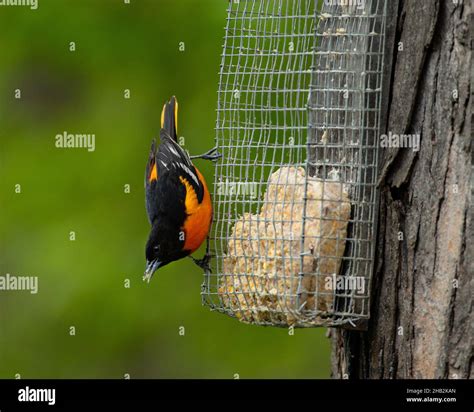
151 267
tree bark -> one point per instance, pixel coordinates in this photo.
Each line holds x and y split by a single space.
421 315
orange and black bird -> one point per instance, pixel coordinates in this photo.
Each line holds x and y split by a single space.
178 202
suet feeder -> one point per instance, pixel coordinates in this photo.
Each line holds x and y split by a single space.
295 193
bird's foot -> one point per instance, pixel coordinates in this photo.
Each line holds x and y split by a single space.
212 155
203 263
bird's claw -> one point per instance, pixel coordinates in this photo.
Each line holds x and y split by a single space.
203 263
212 155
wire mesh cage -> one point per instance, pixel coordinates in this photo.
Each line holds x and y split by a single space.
295 193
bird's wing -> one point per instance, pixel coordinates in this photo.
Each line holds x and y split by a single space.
151 171
169 175
172 158
151 184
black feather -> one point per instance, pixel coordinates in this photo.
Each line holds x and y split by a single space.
171 156
169 122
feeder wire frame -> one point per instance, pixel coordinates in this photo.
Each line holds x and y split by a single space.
300 87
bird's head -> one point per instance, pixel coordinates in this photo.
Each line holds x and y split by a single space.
153 256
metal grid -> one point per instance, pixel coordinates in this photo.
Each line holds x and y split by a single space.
295 195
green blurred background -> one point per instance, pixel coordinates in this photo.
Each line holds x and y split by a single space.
119 330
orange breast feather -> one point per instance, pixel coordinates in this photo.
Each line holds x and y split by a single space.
198 221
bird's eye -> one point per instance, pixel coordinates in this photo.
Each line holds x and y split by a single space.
157 247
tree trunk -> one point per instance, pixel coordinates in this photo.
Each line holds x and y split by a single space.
421 314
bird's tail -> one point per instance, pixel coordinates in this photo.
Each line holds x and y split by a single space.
169 118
